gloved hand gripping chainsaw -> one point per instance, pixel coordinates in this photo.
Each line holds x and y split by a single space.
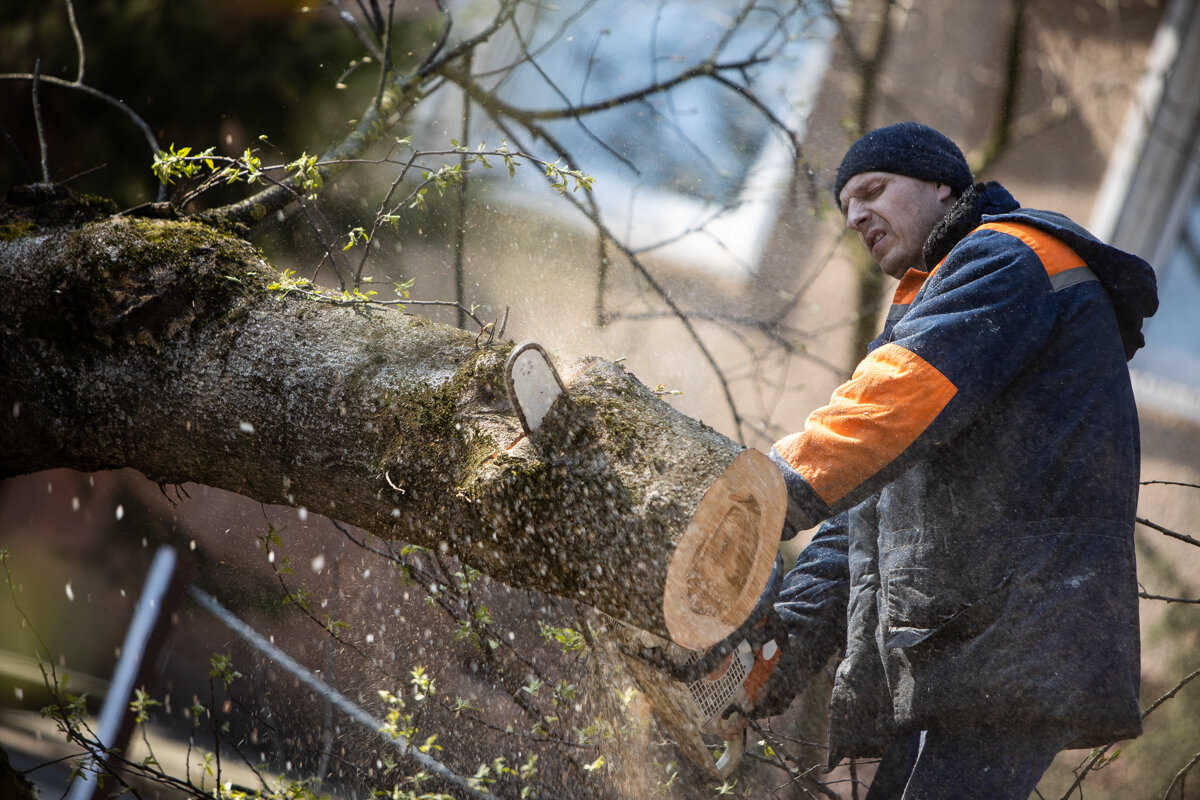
712 693
693 694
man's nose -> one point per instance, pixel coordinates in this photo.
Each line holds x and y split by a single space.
856 215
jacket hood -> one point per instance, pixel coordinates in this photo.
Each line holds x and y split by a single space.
1128 279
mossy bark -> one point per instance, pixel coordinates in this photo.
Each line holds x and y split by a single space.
13 784
156 345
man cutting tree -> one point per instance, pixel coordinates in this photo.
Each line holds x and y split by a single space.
977 478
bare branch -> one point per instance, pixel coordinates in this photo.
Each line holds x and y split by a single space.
850 41
37 118
1179 776
1147 596
1183 537
460 230
352 23
1174 690
440 45
1097 756
151 140
385 69
1172 483
18 154
78 39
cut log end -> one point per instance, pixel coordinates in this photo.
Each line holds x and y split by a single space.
723 560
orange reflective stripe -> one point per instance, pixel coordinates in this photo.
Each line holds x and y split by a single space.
1055 256
910 284
892 398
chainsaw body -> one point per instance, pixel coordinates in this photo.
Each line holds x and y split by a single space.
708 696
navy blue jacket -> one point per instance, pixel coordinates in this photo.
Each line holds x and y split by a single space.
978 476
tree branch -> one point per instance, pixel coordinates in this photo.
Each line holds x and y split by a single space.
151 140
1183 537
1179 777
159 346
1097 756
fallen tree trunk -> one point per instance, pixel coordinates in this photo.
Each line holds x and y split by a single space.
13 784
158 345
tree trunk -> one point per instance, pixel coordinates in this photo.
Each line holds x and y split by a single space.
13 784
157 345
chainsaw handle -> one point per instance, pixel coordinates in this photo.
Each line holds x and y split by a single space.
734 748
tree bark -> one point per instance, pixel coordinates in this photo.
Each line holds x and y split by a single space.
13 784
157 345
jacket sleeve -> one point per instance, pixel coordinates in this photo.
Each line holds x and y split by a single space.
812 606
812 601
984 312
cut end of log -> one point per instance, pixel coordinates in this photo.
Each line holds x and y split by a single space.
723 560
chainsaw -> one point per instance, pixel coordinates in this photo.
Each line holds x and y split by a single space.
709 695
698 696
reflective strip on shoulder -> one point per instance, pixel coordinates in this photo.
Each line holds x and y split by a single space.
1070 277
892 398
1063 265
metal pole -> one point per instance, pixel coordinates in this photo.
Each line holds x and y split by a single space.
327 692
112 729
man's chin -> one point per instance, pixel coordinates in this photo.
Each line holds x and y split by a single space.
890 269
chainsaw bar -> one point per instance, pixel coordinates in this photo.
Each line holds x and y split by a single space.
533 384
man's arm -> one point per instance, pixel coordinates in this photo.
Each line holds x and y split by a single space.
984 313
812 606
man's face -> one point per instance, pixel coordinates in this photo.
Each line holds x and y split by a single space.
894 215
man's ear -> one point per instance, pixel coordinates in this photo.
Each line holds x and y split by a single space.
944 192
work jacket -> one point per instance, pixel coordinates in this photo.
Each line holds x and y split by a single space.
978 476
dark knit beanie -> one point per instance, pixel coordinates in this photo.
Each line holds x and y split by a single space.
906 148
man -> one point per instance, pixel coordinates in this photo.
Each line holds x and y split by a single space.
978 479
